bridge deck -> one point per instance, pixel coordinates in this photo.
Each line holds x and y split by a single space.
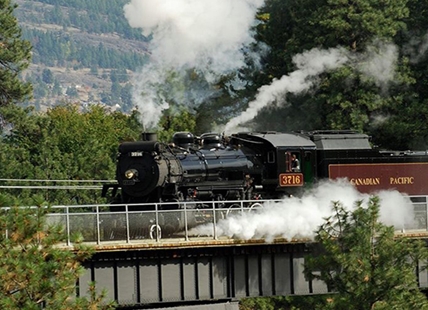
201 242
175 243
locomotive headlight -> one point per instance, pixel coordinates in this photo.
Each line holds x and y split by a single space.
131 174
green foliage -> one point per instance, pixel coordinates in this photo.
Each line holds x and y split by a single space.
355 24
47 76
171 122
365 263
57 49
272 303
345 98
96 16
282 302
403 124
35 271
63 144
15 57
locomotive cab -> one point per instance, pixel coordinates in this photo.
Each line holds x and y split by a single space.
288 161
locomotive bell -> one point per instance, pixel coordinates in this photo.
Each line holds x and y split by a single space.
183 139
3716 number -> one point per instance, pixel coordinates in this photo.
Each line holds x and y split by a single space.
291 179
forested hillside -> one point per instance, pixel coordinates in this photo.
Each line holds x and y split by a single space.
82 51
320 64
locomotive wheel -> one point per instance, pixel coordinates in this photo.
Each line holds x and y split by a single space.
155 232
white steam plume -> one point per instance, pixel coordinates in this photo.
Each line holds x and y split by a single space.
377 62
309 66
300 217
202 35
208 39
417 48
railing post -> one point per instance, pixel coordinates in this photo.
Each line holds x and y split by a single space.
98 225
128 239
214 221
7 225
157 222
186 229
426 211
67 223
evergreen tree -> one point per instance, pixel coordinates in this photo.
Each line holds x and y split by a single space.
47 76
346 98
406 127
363 261
14 57
35 271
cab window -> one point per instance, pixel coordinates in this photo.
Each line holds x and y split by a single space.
292 161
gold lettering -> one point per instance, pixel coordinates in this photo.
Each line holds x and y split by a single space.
365 181
401 180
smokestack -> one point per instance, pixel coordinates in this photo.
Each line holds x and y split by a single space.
149 136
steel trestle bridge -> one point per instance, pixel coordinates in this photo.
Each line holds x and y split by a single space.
154 255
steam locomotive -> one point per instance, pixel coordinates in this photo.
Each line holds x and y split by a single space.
248 166
254 165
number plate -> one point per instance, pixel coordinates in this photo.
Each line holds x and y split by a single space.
137 154
291 179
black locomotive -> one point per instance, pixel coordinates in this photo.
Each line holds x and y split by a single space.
244 167
210 167
248 165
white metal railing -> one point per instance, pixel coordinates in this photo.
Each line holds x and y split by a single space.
130 222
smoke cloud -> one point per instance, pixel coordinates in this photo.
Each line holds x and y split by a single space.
195 42
309 66
416 48
300 217
378 63
204 36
